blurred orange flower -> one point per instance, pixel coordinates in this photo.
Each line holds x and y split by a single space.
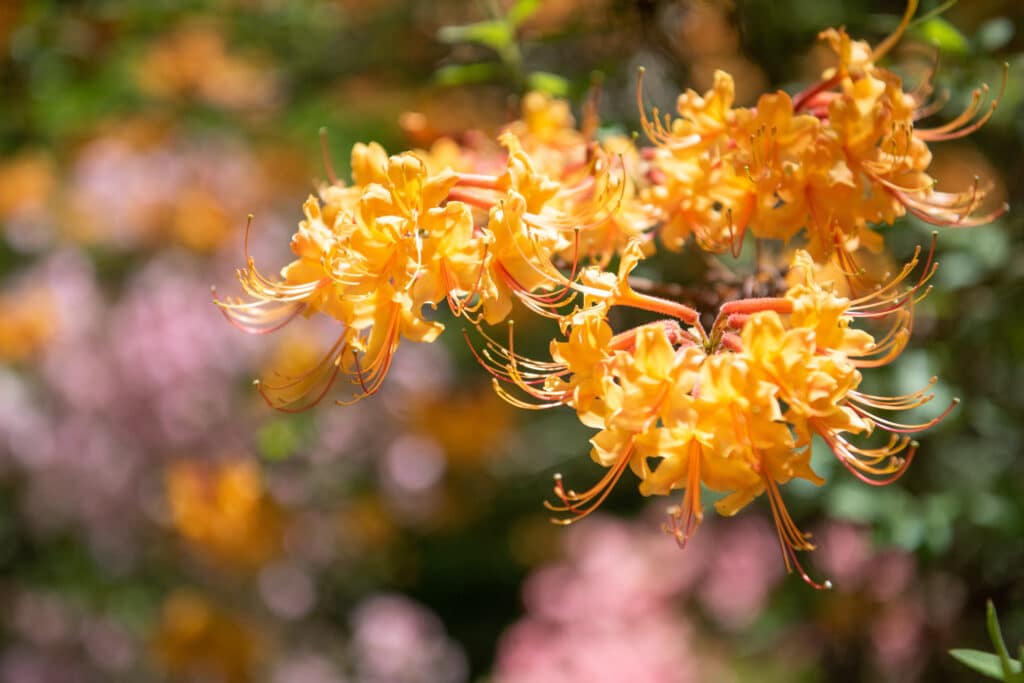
26 183
224 510
26 324
193 61
196 639
445 420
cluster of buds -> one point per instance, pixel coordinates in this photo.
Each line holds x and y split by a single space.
539 217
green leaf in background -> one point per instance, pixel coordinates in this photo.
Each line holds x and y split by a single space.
985 663
464 74
522 10
550 83
279 440
496 34
995 33
942 35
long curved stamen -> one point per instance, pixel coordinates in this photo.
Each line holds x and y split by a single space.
461 306
659 132
932 108
582 504
257 286
370 377
924 186
866 464
950 209
503 364
905 402
252 318
546 305
883 48
926 85
883 354
959 127
901 428
325 371
896 337
791 539
885 299
326 157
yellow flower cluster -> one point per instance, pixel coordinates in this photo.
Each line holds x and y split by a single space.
539 216
376 254
734 410
835 160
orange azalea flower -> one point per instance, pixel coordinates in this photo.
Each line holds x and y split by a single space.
372 255
731 411
835 160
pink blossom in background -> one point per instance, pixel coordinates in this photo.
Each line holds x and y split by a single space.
654 649
306 668
135 187
741 573
888 600
396 640
844 554
610 611
57 642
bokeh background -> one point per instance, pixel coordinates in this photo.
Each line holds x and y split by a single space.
159 523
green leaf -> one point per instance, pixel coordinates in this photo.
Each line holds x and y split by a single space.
984 663
994 632
522 10
279 440
497 34
464 74
550 83
995 33
943 35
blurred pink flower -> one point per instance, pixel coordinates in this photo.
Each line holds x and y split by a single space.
608 612
845 554
306 668
741 572
655 648
396 640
